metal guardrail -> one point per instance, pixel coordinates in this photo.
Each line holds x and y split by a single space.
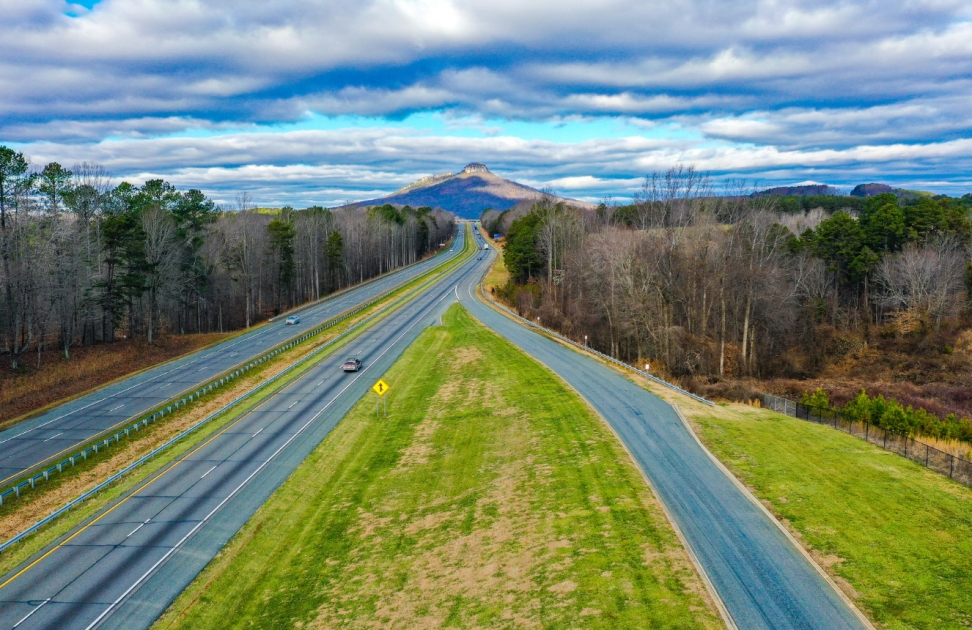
606 357
953 467
107 439
145 458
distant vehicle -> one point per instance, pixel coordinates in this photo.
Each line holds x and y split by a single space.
485 245
293 319
351 365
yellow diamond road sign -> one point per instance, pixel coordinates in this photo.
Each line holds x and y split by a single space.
380 387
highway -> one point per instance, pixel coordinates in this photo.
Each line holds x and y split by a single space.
63 429
763 581
124 567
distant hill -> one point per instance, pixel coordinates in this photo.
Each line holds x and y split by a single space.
870 190
466 193
806 190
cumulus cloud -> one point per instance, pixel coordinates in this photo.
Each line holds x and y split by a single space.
777 88
303 168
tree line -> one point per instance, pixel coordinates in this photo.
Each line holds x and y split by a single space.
728 285
85 261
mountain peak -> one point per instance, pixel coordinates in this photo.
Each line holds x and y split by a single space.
467 193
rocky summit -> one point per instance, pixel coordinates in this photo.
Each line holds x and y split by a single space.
466 193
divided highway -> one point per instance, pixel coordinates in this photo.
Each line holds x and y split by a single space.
763 581
62 430
124 567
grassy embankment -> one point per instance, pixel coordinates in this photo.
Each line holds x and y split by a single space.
15 516
491 496
894 535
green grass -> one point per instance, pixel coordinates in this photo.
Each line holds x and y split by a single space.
898 534
491 496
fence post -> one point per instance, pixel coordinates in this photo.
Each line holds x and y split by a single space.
867 429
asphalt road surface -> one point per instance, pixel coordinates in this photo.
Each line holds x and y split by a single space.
761 578
124 567
62 430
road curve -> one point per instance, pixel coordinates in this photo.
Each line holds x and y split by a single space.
124 567
763 581
63 429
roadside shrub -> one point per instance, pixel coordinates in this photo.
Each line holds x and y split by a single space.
891 415
818 398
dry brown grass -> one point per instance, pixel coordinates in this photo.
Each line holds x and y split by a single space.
29 389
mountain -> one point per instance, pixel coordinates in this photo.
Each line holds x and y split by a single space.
466 193
870 190
798 191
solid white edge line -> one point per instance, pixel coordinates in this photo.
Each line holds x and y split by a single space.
206 518
752 498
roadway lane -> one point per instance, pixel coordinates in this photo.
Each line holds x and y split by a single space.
124 568
65 428
762 579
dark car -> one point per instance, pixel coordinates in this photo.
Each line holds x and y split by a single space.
351 365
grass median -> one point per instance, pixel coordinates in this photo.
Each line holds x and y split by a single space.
895 536
490 496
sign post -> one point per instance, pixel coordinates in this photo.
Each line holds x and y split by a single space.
381 388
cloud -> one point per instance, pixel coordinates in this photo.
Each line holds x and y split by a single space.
312 167
196 89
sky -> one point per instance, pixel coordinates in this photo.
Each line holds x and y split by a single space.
301 102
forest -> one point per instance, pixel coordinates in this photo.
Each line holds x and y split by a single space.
711 286
86 261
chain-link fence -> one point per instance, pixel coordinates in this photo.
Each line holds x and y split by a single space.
945 463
